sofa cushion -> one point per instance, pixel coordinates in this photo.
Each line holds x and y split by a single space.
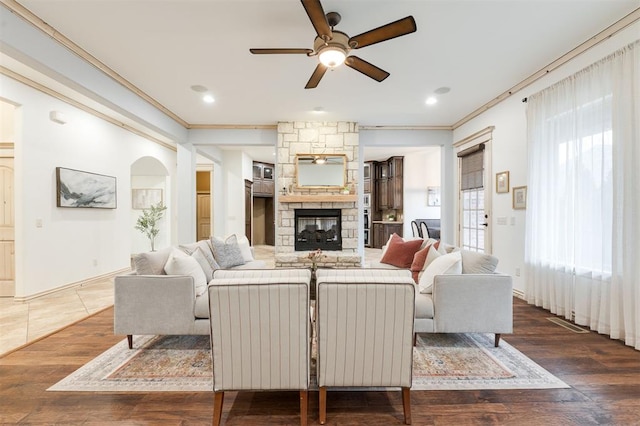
180 263
418 263
227 252
151 263
478 263
400 252
202 260
245 248
207 251
448 264
201 308
424 305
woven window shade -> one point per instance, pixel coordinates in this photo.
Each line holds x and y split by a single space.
472 167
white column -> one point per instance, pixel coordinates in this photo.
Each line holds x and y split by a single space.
185 215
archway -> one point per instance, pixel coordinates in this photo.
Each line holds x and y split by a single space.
149 185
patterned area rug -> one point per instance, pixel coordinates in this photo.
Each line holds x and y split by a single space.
183 363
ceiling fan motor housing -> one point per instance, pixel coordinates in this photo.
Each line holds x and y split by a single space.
339 41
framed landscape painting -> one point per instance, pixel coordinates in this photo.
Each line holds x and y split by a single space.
144 198
75 188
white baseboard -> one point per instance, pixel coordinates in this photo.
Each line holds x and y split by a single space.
77 284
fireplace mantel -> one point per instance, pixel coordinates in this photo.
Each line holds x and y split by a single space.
316 198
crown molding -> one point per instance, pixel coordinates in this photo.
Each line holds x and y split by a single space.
44 89
34 20
593 41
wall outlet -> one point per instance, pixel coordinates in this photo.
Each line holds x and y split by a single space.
517 272
38 223
95 262
513 220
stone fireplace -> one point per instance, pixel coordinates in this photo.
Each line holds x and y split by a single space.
316 138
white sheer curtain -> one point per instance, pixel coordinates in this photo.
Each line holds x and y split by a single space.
583 211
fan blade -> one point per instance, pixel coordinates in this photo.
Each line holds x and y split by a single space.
318 19
366 68
386 32
316 77
269 51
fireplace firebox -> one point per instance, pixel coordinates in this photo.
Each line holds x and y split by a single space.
318 229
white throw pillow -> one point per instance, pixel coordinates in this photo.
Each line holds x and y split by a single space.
432 255
448 264
245 248
181 264
202 260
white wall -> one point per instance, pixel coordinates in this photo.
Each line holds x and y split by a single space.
509 152
421 170
73 244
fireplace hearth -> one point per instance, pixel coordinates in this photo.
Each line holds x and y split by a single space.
318 229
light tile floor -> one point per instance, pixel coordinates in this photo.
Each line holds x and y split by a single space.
23 322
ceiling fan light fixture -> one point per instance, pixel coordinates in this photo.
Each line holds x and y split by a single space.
332 56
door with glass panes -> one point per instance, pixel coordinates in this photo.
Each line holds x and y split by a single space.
474 232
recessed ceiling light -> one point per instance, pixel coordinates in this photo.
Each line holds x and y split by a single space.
442 90
208 99
318 110
198 88
431 100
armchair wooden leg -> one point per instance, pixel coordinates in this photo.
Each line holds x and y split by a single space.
406 404
130 340
218 399
323 404
497 341
303 407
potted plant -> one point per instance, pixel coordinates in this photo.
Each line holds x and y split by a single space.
148 220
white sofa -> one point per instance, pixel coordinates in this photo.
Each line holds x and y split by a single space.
466 298
148 301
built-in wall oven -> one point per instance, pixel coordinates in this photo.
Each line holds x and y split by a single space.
367 219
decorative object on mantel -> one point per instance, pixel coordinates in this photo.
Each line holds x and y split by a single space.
318 198
315 257
148 220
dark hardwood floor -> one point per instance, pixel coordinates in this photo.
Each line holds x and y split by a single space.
604 376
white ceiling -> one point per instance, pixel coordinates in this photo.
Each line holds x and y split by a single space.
478 48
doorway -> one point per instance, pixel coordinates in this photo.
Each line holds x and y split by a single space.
264 224
7 212
474 198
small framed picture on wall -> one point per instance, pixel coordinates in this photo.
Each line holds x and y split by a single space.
502 182
519 197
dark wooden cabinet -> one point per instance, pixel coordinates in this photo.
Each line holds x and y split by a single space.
263 183
388 186
382 232
395 183
368 176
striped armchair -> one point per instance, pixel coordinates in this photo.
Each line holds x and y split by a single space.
260 333
365 320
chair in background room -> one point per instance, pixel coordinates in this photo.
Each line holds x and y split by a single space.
252 347
373 348
415 229
424 230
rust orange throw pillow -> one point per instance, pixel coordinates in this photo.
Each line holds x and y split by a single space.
418 262
400 252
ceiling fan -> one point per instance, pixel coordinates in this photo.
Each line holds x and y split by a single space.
333 47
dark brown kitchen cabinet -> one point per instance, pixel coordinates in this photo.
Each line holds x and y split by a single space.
389 184
263 183
383 231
